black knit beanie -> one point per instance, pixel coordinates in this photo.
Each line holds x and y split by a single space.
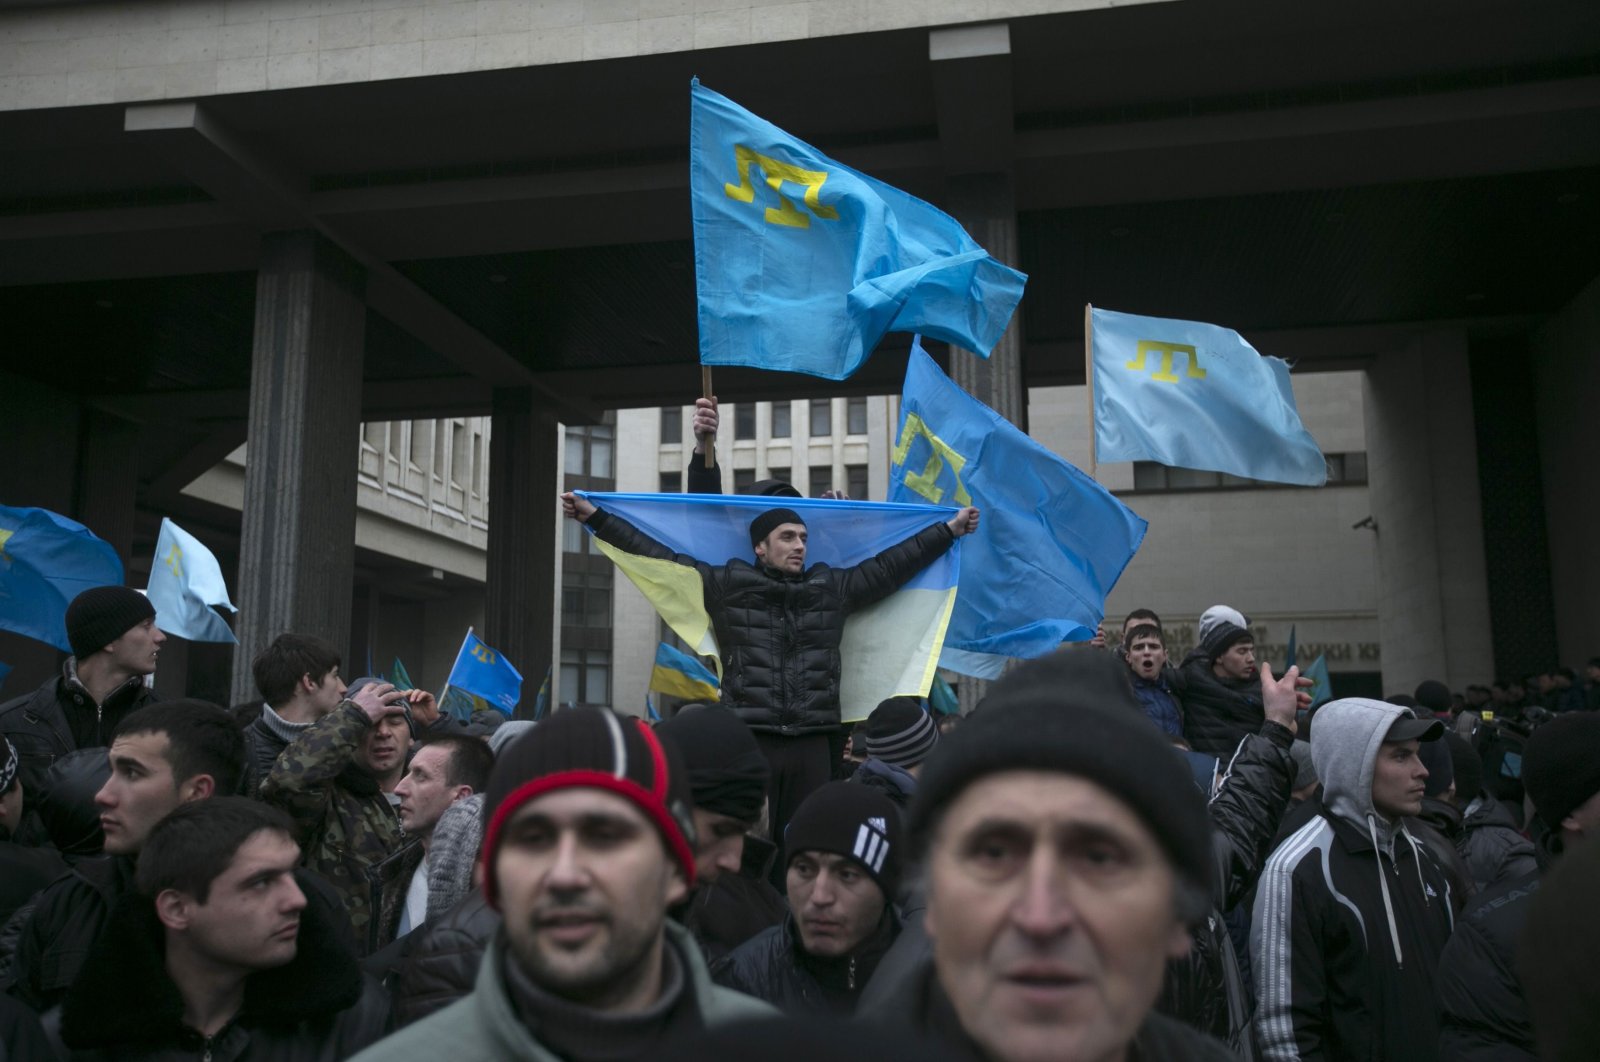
102 614
1433 695
900 732
1561 765
1223 636
853 820
767 522
772 488
1467 765
727 773
1435 756
590 748
1072 713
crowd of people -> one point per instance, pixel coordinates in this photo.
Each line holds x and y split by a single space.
1114 856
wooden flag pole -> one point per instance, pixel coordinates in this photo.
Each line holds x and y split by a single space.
705 390
1088 379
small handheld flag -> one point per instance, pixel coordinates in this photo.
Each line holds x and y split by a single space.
185 582
482 670
1321 686
678 673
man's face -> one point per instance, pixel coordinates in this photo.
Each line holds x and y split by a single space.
1239 662
836 903
139 793
136 650
784 548
1147 656
326 694
719 844
1591 672
584 882
1584 820
425 791
383 749
1397 779
1053 913
251 917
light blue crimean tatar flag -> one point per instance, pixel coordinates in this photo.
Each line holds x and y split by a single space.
1052 542
185 581
889 649
486 672
802 264
46 560
1196 396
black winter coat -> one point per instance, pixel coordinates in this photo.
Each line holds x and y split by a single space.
1217 713
771 966
67 918
1484 1015
60 716
779 633
124 1006
1492 846
262 744
442 959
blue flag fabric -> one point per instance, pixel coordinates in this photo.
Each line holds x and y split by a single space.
1322 687
1052 542
802 263
47 560
541 701
185 581
484 671
1196 396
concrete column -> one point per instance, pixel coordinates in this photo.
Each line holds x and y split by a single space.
519 607
297 548
1422 468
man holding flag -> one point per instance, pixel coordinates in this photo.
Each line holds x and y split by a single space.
779 625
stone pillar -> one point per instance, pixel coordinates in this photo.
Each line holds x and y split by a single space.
297 548
1422 468
519 606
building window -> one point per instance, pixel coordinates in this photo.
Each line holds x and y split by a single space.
1347 468
590 451
586 599
671 482
573 463
586 676
821 418
671 425
856 481
780 420
855 416
1343 468
819 480
744 420
743 480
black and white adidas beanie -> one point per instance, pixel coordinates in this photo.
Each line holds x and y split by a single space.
900 732
597 749
852 820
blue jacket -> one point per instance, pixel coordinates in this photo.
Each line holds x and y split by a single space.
1158 703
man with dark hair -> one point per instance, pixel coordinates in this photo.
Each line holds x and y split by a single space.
220 954
1139 617
1065 853
298 676
1218 685
1352 906
779 624
334 780
163 756
842 858
587 844
1485 1007
442 771
1145 650
115 642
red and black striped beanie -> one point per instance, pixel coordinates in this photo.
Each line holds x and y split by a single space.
598 749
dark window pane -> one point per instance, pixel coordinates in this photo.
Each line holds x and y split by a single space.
600 455
821 418
574 456
671 425
1148 475
856 416
819 479
1190 479
1335 463
1355 467
671 483
856 481
744 420
743 479
780 420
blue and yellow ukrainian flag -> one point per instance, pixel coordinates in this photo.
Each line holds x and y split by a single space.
889 649
678 673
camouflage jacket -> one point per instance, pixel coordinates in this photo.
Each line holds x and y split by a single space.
343 822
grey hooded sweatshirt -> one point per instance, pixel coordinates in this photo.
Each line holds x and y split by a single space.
1351 914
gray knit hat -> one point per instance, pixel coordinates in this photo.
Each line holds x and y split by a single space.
899 732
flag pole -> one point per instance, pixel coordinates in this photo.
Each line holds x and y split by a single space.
1088 379
467 638
705 391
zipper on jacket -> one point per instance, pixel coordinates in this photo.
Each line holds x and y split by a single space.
850 975
205 1050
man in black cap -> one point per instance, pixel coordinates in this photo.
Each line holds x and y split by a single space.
1065 852
115 642
779 624
899 734
842 860
1352 907
1485 1007
588 840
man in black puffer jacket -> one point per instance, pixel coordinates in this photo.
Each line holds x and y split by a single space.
1220 686
779 625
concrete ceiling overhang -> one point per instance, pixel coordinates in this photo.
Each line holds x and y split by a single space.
1318 175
